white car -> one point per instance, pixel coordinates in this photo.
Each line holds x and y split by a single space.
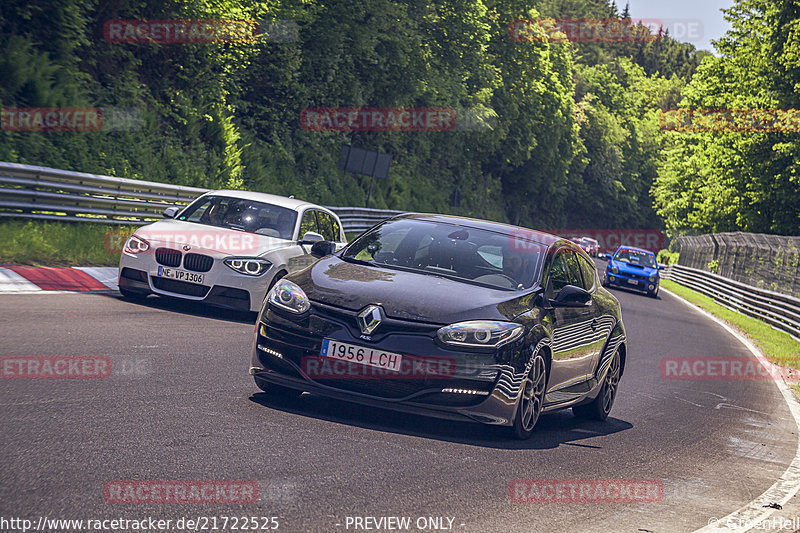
227 248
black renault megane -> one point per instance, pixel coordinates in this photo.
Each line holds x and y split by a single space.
447 317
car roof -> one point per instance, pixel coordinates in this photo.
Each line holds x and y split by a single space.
274 199
634 248
532 235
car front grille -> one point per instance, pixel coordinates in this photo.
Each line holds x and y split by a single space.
636 276
168 257
179 287
296 344
198 262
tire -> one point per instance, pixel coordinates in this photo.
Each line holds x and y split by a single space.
133 295
531 399
276 390
601 406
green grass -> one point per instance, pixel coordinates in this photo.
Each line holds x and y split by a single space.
46 243
778 346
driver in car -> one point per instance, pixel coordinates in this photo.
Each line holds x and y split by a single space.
515 266
285 225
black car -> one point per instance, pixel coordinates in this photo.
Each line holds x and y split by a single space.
448 317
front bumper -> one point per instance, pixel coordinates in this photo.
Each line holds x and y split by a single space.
476 388
221 287
623 279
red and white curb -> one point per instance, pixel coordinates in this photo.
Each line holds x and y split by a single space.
28 279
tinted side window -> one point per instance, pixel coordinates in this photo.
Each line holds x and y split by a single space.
327 226
565 271
589 273
309 223
559 272
337 230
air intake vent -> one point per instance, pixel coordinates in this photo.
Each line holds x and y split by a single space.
168 257
198 262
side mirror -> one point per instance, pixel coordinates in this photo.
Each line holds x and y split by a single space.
322 248
171 211
310 237
572 296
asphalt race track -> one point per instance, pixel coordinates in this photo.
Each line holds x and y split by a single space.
180 406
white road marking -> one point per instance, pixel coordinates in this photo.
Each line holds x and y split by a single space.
749 517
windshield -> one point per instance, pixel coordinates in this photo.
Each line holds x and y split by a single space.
497 260
243 215
635 257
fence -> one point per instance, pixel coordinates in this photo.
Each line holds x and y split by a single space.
764 261
779 310
51 194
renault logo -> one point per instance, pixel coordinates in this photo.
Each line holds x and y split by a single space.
370 318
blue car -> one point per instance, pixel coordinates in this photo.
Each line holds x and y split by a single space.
633 268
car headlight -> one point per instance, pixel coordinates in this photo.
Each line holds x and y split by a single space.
290 297
652 278
248 265
480 333
135 245
615 270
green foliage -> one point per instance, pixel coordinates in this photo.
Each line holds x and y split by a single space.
665 257
37 242
747 181
575 141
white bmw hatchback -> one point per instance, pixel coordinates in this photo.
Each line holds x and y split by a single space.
227 248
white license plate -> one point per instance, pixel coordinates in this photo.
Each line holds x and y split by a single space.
633 281
360 354
181 275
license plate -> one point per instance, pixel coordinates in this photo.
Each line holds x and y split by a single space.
181 275
633 282
360 354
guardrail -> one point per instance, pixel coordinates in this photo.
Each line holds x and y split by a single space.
47 193
766 261
779 310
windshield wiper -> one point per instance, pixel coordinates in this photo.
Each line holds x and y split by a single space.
357 261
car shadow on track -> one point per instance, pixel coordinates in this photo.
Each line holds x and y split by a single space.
188 307
552 430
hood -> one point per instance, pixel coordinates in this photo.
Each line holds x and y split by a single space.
202 238
634 269
406 295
